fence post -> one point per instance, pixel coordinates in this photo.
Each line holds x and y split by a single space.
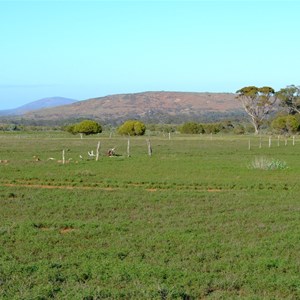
149 147
97 151
128 147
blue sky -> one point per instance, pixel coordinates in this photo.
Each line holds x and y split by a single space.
84 49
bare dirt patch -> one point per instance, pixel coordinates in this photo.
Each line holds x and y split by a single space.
151 190
61 187
214 190
66 230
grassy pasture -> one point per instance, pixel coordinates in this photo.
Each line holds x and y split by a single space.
191 222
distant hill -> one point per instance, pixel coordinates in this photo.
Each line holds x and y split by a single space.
148 106
36 105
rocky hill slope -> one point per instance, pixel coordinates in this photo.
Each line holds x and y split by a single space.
147 106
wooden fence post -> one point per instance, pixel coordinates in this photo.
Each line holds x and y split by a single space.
149 147
128 147
98 150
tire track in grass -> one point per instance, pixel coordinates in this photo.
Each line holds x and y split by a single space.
68 187
60 187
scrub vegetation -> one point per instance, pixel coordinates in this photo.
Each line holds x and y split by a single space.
193 221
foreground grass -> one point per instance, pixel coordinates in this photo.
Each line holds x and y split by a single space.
191 222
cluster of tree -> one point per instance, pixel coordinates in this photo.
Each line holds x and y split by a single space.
166 128
260 102
87 127
10 127
282 124
286 124
17 127
208 128
290 98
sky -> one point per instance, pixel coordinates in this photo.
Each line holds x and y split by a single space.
85 49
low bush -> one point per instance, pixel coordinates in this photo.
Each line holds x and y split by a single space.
132 127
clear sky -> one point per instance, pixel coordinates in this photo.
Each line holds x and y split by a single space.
84 49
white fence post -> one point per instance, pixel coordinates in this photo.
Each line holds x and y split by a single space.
98 150
128 147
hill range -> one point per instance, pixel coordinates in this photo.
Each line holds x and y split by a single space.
36 105
158 106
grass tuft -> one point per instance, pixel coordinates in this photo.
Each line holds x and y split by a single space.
264 163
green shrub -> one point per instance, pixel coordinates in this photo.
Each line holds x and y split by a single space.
70 128
212 127
239 129
191 128
132 127
85 127
286 124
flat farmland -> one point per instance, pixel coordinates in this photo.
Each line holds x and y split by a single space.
193 221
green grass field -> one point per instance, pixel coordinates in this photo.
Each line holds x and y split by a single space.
194 221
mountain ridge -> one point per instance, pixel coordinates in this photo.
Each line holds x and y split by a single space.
150 105
43 103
